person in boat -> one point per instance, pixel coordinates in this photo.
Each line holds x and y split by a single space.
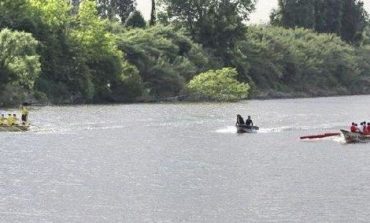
249 121
24 112
10 120
15 118
239 120
3 120
368 127
365 131
355 128
363 128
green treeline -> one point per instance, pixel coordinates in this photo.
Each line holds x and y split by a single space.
346 18
98 51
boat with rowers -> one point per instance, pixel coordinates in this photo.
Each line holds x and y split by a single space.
245 127
355 137
14 128
13 124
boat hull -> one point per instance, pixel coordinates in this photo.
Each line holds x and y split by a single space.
247 129
352 137
14 128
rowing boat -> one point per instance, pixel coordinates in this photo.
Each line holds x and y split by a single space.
247 129
353 137
14 128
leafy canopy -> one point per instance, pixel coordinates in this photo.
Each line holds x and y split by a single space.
218 85
19 62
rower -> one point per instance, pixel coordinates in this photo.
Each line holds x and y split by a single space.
353 127
16 121
24 112
362 127
358 130
2 120
10 120
249 121
239 120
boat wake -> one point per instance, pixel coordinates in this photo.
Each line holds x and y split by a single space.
232 129
71 129
227 130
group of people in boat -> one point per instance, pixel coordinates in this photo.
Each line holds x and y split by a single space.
363 128
240 121
13 120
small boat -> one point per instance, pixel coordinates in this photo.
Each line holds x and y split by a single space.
353 137
14 128
247 128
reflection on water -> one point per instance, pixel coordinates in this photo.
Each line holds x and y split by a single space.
185 163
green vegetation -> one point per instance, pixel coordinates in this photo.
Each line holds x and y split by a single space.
98 51
218 85
19 65
347 18
297 62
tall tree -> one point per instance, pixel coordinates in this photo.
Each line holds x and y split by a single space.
153 16
346 18
116 9
217 24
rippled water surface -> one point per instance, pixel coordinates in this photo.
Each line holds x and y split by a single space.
185 163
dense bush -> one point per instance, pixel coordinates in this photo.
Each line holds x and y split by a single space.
165 58
218 85
19 65
296 60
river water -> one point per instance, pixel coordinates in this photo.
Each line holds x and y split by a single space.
185 163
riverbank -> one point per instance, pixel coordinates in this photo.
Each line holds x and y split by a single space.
268 95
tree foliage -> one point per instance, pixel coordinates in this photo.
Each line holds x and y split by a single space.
89 52
297 61
218 85
346 18
216 24
135 20
115 9
165 58
19 64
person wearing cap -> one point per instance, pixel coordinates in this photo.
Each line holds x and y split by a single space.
353 127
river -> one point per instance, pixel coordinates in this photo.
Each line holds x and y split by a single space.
185 163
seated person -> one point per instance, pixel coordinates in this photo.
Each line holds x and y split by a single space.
239 120
353 127
249 121
358 130
368 128
16 121
10 120
3 120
